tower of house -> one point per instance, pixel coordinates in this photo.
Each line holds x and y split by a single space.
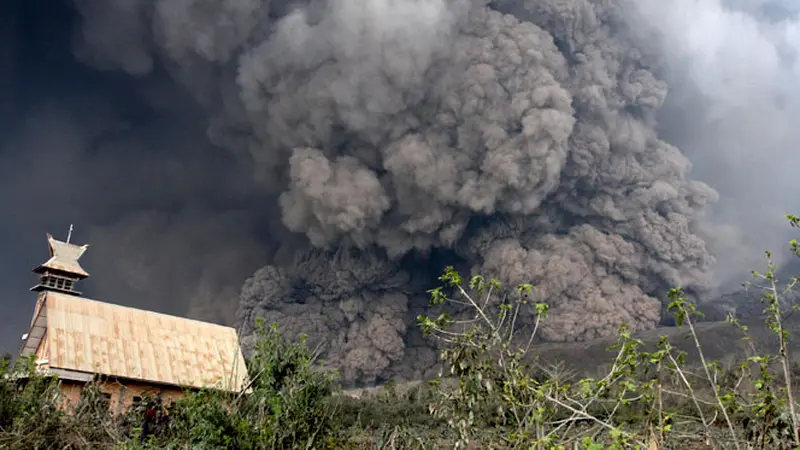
62 270
79 340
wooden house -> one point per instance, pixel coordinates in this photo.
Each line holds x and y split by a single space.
130 352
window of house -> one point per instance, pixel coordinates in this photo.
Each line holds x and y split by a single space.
106 402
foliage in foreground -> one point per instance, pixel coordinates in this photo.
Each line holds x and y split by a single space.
492 392
648 399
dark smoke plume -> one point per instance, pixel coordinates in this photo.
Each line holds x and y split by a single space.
453 126
371 142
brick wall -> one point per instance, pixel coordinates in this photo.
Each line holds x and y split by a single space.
121 393
69 393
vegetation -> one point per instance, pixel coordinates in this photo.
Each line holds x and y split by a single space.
492 392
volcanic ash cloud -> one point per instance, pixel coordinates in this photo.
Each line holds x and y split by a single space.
522 146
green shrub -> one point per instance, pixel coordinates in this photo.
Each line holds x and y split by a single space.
646 399
29 417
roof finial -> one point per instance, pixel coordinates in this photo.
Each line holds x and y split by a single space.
69 235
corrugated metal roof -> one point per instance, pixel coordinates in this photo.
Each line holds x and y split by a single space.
65 256
91 336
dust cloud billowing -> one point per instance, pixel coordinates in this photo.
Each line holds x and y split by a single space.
733 107
375 141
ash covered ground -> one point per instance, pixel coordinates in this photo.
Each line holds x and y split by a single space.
603 151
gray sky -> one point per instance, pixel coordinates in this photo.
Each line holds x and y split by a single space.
126 161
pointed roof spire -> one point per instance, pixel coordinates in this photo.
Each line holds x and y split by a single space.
64 258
